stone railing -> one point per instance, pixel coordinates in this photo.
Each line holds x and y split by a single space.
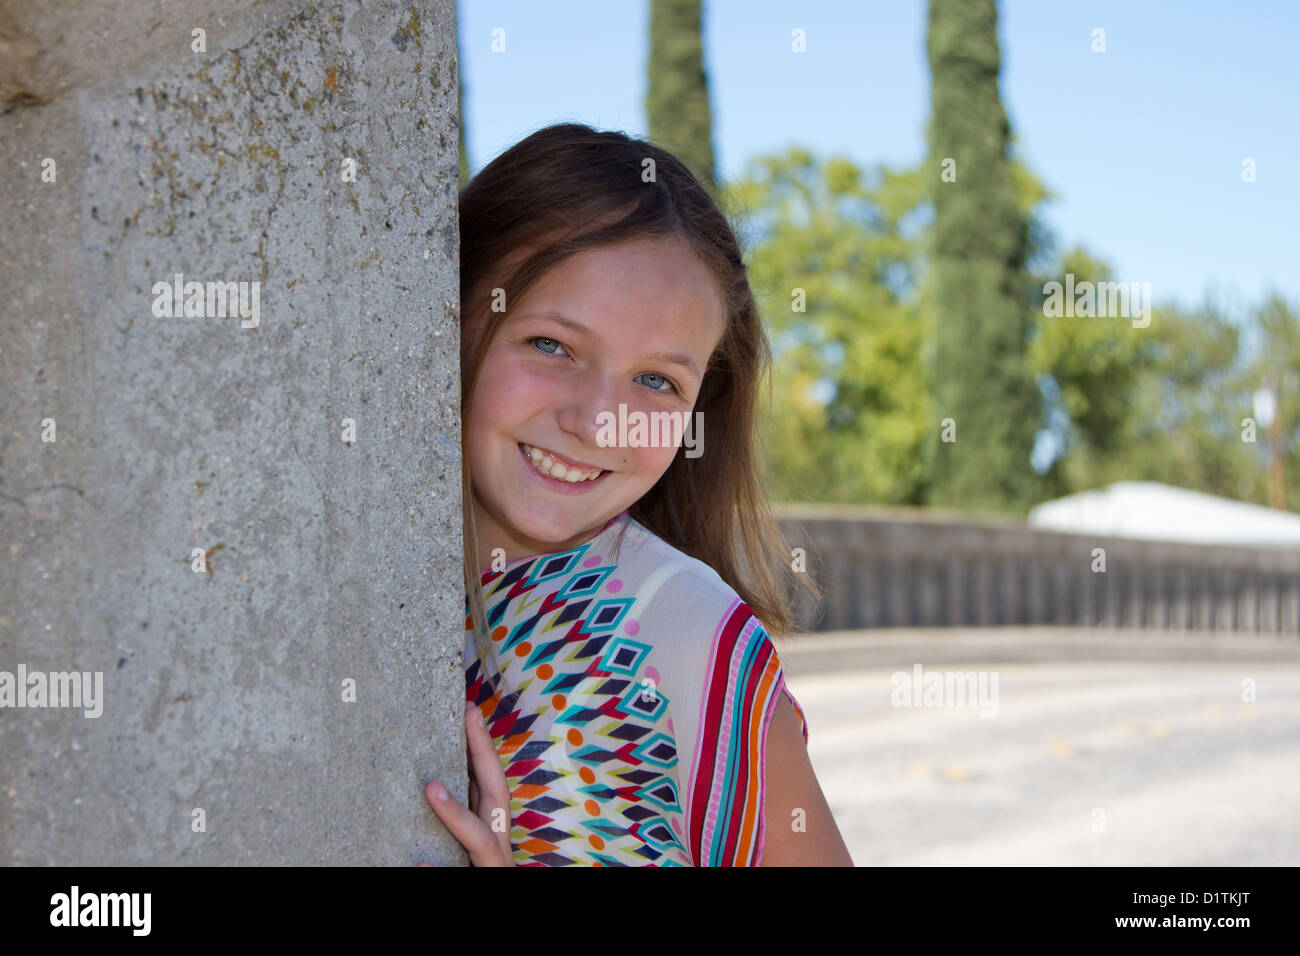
920 568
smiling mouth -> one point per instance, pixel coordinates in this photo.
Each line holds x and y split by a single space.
552 467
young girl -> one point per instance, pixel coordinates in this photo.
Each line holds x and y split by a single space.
626 704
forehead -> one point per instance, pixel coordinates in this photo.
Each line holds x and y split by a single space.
627 292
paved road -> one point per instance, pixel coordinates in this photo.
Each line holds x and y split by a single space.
1183 771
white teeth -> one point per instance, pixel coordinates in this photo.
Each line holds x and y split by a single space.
556 469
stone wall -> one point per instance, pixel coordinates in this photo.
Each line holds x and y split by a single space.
243 516
922 568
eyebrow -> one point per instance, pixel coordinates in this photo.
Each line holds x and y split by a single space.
676 358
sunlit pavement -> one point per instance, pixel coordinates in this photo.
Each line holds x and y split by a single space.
1127 762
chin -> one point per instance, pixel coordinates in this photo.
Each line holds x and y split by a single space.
540 527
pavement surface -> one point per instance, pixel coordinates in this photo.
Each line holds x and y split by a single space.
1115 761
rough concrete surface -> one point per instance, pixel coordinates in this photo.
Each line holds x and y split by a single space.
323 560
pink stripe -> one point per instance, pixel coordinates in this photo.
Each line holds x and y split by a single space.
742 646
711 814
719 766
722 760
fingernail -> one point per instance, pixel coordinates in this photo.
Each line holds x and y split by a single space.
439 793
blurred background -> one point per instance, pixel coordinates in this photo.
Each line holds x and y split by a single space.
1096 511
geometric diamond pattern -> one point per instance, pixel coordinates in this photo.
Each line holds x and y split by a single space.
591 762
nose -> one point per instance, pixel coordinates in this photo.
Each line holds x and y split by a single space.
591 394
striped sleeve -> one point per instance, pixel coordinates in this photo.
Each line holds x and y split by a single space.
744 681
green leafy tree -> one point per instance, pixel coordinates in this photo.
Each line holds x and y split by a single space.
1272 335
1183 428
1162 403
1090 368
834 269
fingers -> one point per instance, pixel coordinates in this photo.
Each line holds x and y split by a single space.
492 794
477 839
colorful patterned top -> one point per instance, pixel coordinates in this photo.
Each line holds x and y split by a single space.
629 691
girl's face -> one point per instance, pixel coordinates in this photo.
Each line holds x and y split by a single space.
595 332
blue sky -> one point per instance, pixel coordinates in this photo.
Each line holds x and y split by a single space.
1142 144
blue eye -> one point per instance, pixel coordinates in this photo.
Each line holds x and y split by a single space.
671 386
539 338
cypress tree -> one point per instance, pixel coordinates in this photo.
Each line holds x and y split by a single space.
978 284
677 97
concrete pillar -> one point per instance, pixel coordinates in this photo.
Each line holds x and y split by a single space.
183 508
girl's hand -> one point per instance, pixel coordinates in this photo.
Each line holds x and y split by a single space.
484 828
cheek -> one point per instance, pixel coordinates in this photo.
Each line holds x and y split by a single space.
509 393
650 462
